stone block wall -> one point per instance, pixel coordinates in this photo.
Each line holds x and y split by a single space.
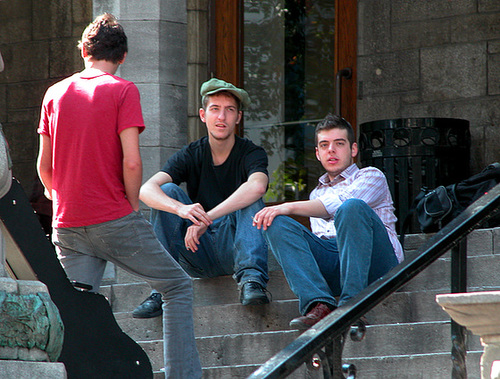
38 40
157 64
198 58
416 58
432 58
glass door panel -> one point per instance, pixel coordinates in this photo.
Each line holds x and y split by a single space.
288 70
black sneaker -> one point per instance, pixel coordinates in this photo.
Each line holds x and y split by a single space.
253 293
149 308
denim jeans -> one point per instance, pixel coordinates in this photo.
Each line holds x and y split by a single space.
130 243
320 269
230 246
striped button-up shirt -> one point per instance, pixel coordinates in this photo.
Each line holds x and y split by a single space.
368 184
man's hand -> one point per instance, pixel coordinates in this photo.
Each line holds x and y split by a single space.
195 213
193 234
264 218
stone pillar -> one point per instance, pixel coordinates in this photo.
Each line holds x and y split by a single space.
480 313
157 64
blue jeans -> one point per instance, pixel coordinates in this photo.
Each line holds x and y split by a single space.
230 246
320 269
130 243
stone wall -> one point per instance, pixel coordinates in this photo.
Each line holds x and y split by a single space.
38 40
429 58
432 58
157 64
198 54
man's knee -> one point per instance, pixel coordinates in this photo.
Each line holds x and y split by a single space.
352 208
278 229
180 285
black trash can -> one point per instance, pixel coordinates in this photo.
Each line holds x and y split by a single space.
415 153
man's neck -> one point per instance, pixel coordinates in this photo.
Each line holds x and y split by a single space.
220 149
101 65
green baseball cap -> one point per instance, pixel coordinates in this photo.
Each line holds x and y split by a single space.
215 85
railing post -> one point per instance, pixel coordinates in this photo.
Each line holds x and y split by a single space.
337 348
458 285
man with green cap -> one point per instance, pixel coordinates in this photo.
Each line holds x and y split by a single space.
208 230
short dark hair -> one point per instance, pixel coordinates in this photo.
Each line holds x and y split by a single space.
104 39
332 121
227 93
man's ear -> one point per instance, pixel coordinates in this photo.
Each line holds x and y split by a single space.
202 114
354 149
317 154
123 59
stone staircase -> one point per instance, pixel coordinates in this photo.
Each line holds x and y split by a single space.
408 335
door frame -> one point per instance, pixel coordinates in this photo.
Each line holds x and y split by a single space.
226 47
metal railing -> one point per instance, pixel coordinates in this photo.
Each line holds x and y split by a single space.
324 341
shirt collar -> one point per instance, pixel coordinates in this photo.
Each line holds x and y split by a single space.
324 180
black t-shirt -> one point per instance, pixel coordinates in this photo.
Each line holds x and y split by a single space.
207 184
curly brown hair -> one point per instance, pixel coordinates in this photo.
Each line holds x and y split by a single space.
104 39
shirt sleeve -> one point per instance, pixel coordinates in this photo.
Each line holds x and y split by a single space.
256 161
176 166
130 111
367 185
44 124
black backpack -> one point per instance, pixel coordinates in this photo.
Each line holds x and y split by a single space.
435 208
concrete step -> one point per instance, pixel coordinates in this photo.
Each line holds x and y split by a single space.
480 242
380 341
234 318
243 371
222 290
214 291
437 276
415 366
408 335
218 320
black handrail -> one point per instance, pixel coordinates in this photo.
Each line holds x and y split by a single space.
331 327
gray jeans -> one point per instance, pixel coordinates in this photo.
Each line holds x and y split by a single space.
130 243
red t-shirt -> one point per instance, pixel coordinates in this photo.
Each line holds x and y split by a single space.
84 115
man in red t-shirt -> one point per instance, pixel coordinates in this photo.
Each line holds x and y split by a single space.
90 165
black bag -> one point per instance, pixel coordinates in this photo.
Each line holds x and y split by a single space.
438 207
435 208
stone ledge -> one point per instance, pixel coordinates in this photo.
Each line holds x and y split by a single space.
30 370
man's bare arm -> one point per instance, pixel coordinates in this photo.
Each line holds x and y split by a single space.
44 164
132 165
153 196
246 194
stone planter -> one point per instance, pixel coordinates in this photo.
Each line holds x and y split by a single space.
31 328
480 313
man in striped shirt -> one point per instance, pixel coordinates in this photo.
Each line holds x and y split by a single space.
353 241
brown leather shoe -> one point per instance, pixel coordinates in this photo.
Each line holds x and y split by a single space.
319 311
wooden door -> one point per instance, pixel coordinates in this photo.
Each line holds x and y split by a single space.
227 46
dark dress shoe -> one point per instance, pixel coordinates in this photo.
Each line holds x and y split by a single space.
253 293
149 308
